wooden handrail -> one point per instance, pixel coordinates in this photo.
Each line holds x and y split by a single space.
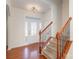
49 39
47 26
65 25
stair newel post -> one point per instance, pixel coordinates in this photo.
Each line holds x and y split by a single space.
58 46
40 42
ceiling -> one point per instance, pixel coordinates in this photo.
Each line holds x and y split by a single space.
43 5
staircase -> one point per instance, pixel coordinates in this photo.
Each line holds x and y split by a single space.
57 47
50 50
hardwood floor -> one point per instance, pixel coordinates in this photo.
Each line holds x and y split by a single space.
25 52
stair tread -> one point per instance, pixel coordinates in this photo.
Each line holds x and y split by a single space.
48 55
54 43
50 51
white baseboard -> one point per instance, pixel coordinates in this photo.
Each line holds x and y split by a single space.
12 47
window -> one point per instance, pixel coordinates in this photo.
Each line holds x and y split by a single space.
33 28
26 29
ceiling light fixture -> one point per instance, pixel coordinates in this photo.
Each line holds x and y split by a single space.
33 8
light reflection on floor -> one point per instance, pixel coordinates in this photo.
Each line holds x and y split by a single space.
28 54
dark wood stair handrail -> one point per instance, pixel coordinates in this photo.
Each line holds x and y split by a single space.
65 25
47 27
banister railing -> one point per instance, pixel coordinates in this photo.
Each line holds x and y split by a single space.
40 33
65 25
46 27
58 37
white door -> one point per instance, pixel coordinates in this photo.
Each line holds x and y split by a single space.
32 27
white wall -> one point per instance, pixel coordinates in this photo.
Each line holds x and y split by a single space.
70 53
9 4
16 23
66 12
71 14
16 30
65 15
54 15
